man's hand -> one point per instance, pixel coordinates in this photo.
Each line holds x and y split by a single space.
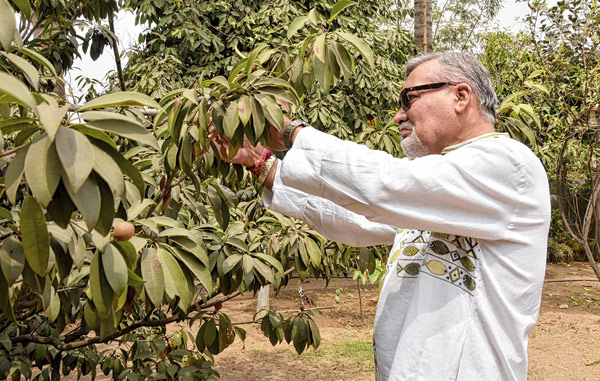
247 155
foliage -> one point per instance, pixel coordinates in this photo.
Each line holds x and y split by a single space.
71 173
171 57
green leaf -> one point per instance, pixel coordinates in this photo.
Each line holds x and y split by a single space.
26 68
13 87
24 7
34 233
129 169
296 25
110 172
115 268
270 260
138 207
153 276
230 262
319 47
8 24
39 59
133 280
129 252
271 110
51 117
14 174
314 332
121 125
125 98
359 45
12 259
102 294
231 120
252 59
244 109
313 16
210 332
107 208
53 309
313 251
338 7
200 270
299 334
344 60
88 201
258 118
175 280
363 259
61 207
76 155
42 169
322 73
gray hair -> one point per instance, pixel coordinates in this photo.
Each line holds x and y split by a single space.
462 67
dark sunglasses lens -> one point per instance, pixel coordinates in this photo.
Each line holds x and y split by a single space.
404 101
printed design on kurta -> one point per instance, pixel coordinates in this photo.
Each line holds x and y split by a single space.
447 257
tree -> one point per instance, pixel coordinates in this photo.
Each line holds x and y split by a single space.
423 25
123 161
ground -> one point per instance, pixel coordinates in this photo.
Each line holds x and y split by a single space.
564 345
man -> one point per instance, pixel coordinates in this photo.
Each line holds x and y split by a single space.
468 218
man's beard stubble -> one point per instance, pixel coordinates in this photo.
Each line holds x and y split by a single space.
413 146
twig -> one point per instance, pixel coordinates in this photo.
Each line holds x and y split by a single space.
111 26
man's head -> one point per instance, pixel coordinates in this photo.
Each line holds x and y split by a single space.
447 98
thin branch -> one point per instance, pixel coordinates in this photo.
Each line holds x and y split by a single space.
111 26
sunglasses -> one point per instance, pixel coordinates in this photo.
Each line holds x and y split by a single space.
404 101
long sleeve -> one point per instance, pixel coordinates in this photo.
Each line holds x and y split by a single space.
334 222
482 190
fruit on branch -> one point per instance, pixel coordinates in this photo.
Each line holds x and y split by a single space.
123 231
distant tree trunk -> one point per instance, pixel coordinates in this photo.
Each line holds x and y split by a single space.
423 24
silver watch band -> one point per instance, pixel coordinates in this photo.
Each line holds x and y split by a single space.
287 134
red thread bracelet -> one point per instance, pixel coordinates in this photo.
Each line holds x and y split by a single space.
255 169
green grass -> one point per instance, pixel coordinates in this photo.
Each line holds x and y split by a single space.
355 353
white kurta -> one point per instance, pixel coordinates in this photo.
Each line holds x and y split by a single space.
463 281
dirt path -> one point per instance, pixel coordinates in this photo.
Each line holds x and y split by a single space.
565 344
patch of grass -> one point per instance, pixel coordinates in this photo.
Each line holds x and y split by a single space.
348 353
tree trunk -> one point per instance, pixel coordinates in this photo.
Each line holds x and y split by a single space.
423 24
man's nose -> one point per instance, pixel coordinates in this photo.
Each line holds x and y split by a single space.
400 116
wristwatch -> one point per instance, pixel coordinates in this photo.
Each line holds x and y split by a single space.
287 134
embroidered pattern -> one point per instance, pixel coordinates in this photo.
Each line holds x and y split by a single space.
447 257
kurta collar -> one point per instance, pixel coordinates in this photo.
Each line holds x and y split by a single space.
488 135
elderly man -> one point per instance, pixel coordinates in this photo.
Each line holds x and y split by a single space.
468 216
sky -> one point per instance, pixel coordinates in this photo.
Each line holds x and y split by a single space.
128 32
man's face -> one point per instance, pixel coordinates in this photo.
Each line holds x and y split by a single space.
425 123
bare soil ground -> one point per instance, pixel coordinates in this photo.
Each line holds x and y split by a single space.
564 345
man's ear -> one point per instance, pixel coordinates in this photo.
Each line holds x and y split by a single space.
464 95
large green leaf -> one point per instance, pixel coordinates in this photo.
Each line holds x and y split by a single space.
197 268
8 24
51 117
296 25
121 125
313 252
107 208
175 280
76 155
338 7
129 169
15 88
125 98
115 268
12 259
153 276
231 121
319 47
244 109
26 68
258 118
38 58
271 110
42 169
102 294
14 174
362 47
110 172
88 201
34 234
